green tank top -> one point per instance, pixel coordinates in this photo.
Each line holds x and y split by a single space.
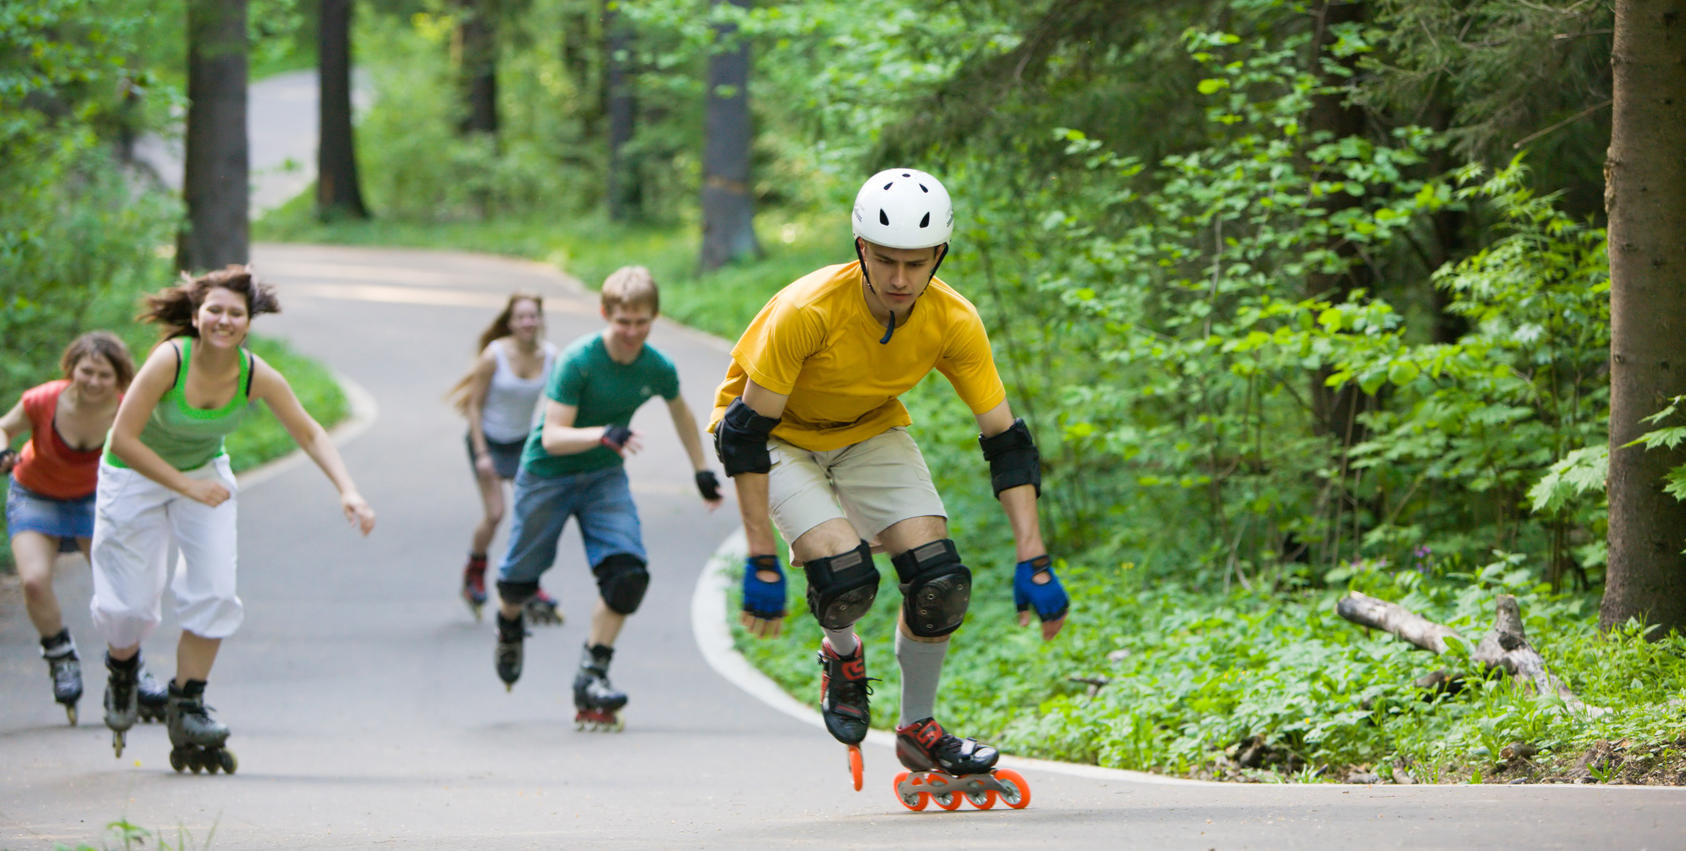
187 437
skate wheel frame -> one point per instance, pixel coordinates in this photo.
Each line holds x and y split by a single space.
599 721
918 789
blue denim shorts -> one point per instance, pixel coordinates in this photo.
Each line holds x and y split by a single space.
600 500
506 457
65 519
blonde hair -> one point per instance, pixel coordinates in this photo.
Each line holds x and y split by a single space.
631 287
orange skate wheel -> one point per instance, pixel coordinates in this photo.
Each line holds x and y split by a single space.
916 801
855 767
1019 795
947 800
983 800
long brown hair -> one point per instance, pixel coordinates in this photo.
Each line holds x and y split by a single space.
172 308
458 394
100 344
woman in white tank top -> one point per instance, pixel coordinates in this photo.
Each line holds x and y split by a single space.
499 397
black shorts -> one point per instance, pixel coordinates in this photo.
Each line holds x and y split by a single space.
506 457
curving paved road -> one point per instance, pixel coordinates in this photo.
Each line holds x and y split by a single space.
366 713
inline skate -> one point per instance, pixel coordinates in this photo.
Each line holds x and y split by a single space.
844 704
196 739
597 704
946 769
65 667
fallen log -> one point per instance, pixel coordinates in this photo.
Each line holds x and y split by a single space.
1505 647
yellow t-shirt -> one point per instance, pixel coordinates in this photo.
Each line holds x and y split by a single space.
817 343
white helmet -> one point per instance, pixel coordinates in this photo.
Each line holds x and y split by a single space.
903 208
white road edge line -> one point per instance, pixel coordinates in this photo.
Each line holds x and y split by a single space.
714 638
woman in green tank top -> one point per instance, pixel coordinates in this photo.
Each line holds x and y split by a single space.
165 484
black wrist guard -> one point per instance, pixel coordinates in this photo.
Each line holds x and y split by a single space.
616 436
1013 459
708 485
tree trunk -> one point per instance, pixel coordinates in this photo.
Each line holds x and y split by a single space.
338 193
1645 195
214 179
476 49
582 44
728 205
625 189
1336 410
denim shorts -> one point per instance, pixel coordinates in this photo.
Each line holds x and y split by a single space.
506 457
65 519
600 500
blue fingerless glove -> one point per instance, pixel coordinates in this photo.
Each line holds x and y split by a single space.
762 599
1049 600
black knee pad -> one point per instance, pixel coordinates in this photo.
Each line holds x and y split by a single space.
516 593
841 588
622 580
936 588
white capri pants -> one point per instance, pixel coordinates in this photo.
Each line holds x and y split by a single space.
138 525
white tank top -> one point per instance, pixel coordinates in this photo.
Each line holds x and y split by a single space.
511 403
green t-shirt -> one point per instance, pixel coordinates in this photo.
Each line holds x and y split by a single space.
602 392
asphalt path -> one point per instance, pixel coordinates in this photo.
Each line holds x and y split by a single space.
366 712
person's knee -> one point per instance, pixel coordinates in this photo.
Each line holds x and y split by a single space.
621 581
936 588
37 586
517 593
841 588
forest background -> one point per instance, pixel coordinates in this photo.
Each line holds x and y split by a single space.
1299 299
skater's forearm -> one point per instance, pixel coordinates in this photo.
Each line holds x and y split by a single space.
1020 505
689 436
752 509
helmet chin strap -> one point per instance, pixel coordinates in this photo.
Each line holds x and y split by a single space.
867 279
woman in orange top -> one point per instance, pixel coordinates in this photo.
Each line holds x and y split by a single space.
50 501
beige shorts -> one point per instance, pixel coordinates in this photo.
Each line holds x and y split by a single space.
873 484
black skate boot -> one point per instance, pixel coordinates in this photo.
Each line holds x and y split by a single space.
154 695
122 703
65 668
541 610
843 693
507 657
196 739
947 770
597 704
474 584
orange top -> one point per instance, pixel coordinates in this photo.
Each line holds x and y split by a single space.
47 465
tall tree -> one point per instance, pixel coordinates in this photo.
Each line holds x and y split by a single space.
728 206
1645 197
476 49
218 231
625 184
338 193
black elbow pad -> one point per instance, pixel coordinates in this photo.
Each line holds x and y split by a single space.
1013 459
740 440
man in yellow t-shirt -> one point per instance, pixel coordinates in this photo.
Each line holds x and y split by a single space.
809 425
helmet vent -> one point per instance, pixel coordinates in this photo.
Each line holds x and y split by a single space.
883 219
926 221
922 188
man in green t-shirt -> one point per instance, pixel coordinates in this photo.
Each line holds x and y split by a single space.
572 467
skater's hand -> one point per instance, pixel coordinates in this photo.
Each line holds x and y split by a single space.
709 487
1036 587
484 467
624 441
763 596
8 459
206 491
357 511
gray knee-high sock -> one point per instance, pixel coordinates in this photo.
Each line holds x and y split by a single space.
922 667
843 640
